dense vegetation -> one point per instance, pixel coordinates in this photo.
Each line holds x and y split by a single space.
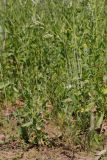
53 58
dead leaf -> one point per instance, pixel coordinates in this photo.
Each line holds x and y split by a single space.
100 154
104 127
19 103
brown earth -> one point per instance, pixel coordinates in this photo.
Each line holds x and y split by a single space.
11 148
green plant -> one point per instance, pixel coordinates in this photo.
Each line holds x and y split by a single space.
55 51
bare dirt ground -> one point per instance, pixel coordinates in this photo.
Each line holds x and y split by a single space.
11 148
43 153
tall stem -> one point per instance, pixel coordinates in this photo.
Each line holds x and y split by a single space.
3 30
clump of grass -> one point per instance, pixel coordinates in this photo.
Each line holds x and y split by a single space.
55 51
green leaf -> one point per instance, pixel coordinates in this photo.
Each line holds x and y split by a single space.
96 138
100 120
28 124
4 85
104 91
6 54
